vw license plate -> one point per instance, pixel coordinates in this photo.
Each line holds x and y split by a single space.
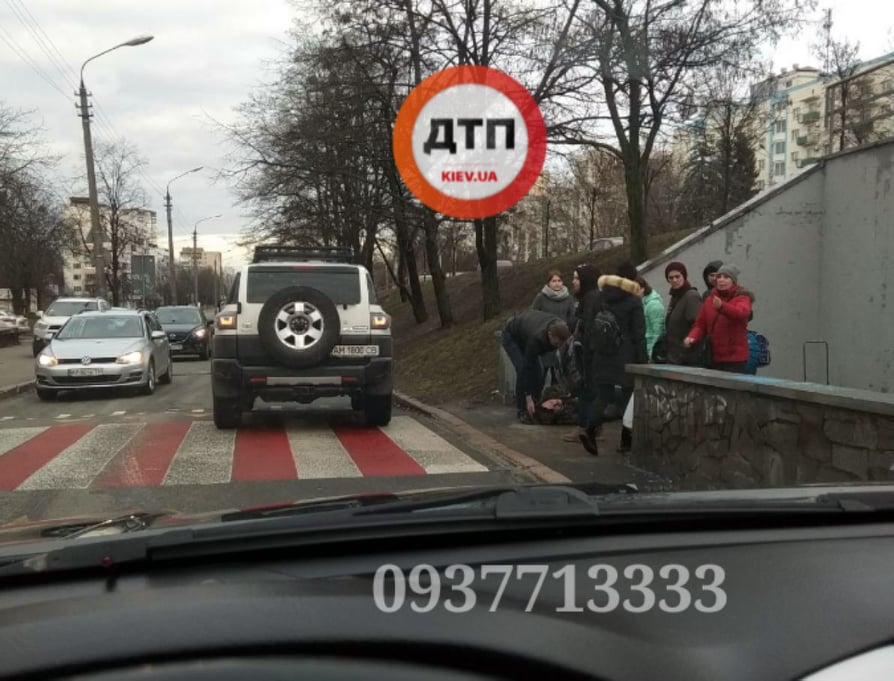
85 372
355 351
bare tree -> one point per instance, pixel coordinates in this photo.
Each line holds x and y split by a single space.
647 57
121 198
31 238
858 101
30 228
721 169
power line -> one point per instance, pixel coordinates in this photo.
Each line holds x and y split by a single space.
42 44
62 60
23 54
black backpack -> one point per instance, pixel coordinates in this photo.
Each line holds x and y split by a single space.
607 336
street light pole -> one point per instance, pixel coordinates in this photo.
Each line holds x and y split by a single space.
195 268
95 226
172 272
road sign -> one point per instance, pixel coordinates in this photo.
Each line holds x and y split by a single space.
469 142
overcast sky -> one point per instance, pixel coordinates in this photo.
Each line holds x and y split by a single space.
206 58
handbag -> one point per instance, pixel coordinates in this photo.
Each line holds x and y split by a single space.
659 350
702 354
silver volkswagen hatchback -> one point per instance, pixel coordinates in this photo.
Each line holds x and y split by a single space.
102 350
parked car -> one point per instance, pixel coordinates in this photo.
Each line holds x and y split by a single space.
59 312
10 320
189 331
105 349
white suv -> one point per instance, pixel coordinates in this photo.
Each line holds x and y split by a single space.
59 312
300 324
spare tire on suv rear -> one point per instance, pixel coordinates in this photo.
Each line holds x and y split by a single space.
298 326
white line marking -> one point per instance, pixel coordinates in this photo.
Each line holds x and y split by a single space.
6 418
430 450
10 438
77 465
198 411
318 453
118 413
205 456
63 416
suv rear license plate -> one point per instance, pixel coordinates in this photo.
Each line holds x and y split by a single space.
355 351
85 372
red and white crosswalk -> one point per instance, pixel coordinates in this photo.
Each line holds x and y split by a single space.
89 456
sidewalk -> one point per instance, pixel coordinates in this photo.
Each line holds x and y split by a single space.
16 367
545 444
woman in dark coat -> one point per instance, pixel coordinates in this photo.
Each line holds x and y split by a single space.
584 283
620 295
682 312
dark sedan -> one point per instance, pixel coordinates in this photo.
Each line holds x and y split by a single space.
189 331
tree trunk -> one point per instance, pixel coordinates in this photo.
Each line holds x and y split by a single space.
486 246
390 269
18 305
636 213
408 255
402 274
442 298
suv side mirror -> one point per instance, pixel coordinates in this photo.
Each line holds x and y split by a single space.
40 314
209 322
158 335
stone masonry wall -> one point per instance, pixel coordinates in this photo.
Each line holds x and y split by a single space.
707 437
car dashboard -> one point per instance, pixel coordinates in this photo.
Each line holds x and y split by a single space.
795 600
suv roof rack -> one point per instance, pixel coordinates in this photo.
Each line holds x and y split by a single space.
281 253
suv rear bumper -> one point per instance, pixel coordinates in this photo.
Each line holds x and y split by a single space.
231 380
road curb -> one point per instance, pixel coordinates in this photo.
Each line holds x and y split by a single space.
486 442
15 389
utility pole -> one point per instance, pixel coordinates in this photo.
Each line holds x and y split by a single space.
195 268
95 227
172 274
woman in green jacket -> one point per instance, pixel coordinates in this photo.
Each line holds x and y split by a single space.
653 307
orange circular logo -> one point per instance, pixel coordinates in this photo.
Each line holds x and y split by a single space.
469 142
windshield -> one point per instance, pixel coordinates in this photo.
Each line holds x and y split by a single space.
185 315
66 308
109 326
381 246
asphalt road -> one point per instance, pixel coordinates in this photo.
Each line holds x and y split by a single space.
107 453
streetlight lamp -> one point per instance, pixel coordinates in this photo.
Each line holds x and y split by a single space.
168 205
98 236
195 267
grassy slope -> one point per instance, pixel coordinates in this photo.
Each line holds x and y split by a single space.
460 364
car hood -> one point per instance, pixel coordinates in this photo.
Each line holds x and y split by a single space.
181 328
52 321
617 499
94 347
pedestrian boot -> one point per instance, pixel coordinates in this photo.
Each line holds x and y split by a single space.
626 440
588 440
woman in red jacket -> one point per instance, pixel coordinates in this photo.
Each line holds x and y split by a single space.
724 317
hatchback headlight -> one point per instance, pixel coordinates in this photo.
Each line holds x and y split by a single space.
134 357
199 333
47 360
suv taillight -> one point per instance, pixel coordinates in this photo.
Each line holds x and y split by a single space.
225 321
379 321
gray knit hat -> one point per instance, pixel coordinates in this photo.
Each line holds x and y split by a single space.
731 271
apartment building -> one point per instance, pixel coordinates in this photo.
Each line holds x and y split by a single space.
138 224
801 113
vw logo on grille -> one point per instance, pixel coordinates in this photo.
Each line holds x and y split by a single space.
86 360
